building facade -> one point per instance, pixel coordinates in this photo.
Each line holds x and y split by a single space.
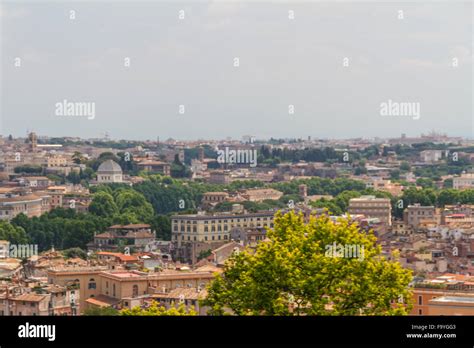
464 181
209 228
416 214
372 207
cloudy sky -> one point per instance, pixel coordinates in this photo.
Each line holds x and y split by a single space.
425 57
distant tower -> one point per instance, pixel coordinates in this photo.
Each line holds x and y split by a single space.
303 190
33 141
201 154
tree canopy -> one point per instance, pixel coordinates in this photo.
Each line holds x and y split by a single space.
156 309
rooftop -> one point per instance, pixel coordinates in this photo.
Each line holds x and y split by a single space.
457 299
109 166
29 298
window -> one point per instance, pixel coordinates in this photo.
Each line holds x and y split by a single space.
113 290
92 284
420 300
135 291
420 312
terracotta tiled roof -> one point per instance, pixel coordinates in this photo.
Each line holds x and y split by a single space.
104 235
139 234
184 293
130 226
120 256
103 301
20 198
29 298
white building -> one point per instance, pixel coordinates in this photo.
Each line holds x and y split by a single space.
109 172
465 181
431 156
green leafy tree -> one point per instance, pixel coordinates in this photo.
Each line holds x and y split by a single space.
133 202
204 254
425 183
13 234
448 196
161 224
156 309
395 174
103 205
405 166
78 158
293 274
29 169
342 199
75 252
330 205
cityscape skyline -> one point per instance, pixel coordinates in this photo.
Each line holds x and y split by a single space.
106 136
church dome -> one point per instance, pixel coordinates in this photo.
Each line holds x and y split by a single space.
109 166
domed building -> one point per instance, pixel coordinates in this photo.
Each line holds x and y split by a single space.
109 171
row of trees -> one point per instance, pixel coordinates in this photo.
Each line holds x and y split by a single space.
61 228
309 154
320 186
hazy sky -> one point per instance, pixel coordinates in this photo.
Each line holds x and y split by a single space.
190 62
